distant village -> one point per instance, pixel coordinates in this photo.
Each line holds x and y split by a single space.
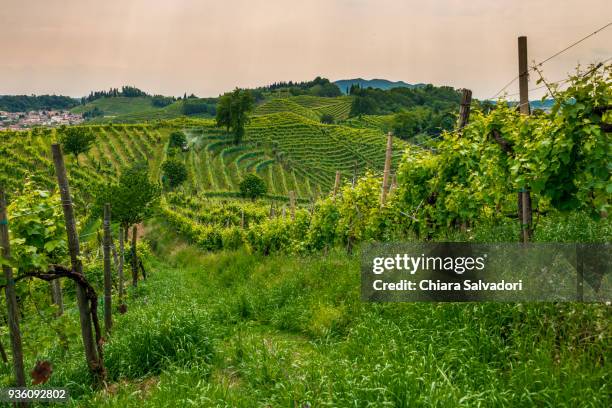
24 120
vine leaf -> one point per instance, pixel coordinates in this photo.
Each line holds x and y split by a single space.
41 372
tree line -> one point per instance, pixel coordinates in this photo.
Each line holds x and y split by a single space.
25 103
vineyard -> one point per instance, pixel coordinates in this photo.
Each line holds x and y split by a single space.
255 301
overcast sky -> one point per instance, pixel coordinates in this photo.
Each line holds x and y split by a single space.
207 47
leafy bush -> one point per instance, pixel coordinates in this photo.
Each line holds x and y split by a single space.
327 118
253 186
175 172
177 140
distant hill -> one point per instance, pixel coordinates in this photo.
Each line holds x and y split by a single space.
121 109
345 84
26 103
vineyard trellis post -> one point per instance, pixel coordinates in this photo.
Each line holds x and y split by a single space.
524 196
337 183
272 215
11 297
387 170
464 108
108 317
121 263
57 296
292 203
134 257
91 351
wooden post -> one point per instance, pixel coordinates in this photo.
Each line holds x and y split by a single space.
525 216
57 296
272 214
292 203
523 75
114 252
242 218
121 263
284 212
108 314
385 184
337 182
464 108
11 297
134 257
89 343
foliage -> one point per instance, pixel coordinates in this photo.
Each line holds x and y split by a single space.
76 140
561 157
133 198
160 101
317 87
174 172
233 112
252 186
373 101
26 103
327 118
421 120
177 140
38 234
93 113
126 91
199 106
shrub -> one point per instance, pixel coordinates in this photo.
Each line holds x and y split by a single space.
327 118
177 140
253 186
175 172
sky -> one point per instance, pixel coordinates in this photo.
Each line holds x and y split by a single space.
169 47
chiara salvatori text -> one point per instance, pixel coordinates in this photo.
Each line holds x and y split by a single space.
412 264
428 285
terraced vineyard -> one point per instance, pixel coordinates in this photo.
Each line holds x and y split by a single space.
316 151
215 164
310 107
27 154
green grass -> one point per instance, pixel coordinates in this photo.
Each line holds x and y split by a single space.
117 105
242 330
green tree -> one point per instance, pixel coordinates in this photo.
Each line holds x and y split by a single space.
327 118
410 123
177 140
133 199
253 186
175 172
362 105
76 140
233 112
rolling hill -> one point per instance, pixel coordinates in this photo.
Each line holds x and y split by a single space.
345 84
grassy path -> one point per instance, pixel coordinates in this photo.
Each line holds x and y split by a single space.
243 330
